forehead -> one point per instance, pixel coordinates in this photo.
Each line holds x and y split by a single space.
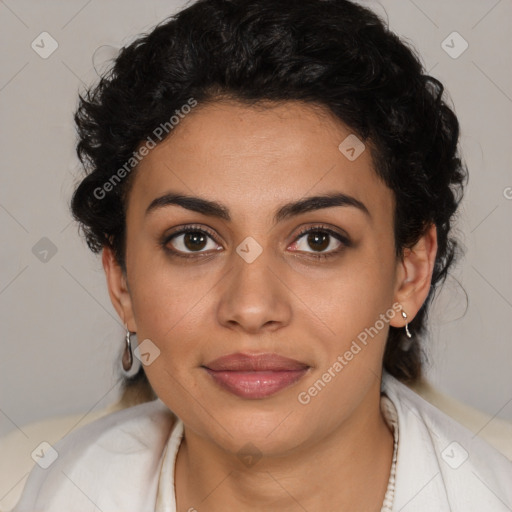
252 157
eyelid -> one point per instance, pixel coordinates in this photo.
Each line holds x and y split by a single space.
190 227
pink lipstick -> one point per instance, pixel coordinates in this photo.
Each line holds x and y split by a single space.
255 376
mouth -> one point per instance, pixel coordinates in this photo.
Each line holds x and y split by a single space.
255 376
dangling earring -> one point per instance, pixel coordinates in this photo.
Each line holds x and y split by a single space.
406 344
130 368
404 316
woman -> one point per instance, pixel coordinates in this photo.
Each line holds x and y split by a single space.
272 186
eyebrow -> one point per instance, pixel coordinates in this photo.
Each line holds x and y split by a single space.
216 209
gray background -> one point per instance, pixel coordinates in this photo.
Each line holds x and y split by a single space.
60 334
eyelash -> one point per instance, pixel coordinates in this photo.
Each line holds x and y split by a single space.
312 229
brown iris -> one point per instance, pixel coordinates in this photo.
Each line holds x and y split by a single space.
194 240
320 238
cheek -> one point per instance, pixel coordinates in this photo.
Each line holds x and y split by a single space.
356 305
168 304
165 291
168 310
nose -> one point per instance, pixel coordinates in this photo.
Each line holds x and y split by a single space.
254 299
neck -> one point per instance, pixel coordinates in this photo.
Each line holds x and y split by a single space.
346 470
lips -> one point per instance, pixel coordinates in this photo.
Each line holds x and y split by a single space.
255 363
255 376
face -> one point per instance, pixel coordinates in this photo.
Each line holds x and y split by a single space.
246 276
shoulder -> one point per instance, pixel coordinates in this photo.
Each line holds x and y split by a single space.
441 461
120 452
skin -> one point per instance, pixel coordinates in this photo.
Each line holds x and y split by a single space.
335 452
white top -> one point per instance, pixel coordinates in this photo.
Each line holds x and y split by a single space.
116 464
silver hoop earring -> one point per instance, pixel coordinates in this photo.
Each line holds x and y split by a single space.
128 363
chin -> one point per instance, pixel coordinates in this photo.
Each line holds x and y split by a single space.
270 428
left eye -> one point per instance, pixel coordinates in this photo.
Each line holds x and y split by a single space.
320 240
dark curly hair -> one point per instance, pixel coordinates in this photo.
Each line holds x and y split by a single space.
331 53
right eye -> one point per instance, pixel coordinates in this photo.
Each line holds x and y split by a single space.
189 241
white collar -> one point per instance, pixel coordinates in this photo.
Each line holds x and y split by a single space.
116 463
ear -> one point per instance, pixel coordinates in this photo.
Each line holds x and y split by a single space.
414 276
118 288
